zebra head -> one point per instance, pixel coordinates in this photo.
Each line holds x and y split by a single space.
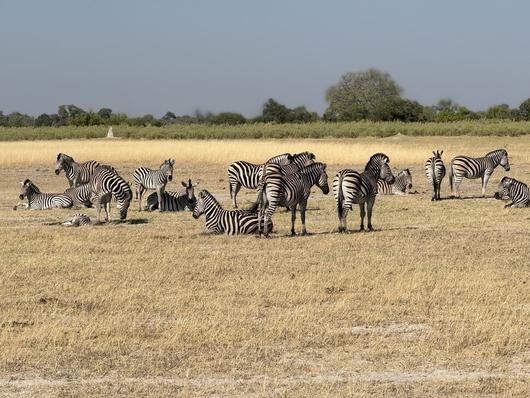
124 202
406 177
190 192
199 207
500 157
503 192
322 182
504 160
27 189
379 167
167 168
63 162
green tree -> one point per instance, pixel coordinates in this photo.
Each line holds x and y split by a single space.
17 119
499 112
396 108
275 112
228 118
43 120
3 120
105 113
169 118
524 110
301 115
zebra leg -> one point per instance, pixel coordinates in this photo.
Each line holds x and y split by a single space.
361 208
139 193
370 206
485 179
160 193
303 207
107 211
267 219
293 219
434 189
234 190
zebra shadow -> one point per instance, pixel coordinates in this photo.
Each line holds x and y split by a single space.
468 197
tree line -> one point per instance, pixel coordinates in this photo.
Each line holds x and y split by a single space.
366 95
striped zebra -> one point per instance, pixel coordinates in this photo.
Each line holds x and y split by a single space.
350 186
220 221
278 189
76 173
175 201
105 183
80 195
463 166
146 178
435 172
514 190
401 185
77 220
249 175
41 201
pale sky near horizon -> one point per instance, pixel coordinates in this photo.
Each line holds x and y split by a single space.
144 57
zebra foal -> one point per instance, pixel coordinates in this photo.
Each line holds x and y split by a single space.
41 201
514 190
76 173
401 186
175 201
146 178
80 195
435 172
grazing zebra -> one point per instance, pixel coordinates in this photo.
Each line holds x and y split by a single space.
514 190
41 201
463 166
248 175
77 220
105 183
220 221
175 201
146 178
290 190
350 186
76 173
80 195
435 172
401 185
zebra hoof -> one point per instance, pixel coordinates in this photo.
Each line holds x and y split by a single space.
304 233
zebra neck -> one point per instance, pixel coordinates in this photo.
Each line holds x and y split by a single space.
212 214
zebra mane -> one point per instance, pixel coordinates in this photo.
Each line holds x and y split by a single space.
65 157
376 160
204 194
312 166
306 153
497 152
31 185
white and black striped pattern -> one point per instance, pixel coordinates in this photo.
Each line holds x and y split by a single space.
278 189
350 186
514 190
175 201
220 221
435 172
80 195
401 185
77 220
146 178
105 183
41 201
249 175
76 173
464 166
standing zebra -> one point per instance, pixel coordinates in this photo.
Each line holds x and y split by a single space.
80 195
435 172
248 175
463 166
146 178
41 201
350 186
290 190
514 190
77 220
401 185
105 183
76 173
220 221
175 201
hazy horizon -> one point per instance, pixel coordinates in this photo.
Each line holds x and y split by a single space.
138 57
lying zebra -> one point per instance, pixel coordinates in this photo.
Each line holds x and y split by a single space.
220 221
175 201
514 190
41 201
401 185
77 220
80 195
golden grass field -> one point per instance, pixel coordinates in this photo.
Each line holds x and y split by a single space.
435 302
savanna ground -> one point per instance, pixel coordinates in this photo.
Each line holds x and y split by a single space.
435 302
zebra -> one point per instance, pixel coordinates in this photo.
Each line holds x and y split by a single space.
175 201
105 183
80 195
514 190
350 186
77 220
463 166
401 185
220 221
290 190
249 175
435 172
41 201
76 173
146 178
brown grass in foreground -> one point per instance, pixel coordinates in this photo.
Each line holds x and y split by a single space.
436 302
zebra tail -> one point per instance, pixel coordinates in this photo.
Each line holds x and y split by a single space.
255 206
451 177
230 188
340 199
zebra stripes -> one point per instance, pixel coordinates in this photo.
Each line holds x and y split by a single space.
175 201
350 186
464 166
220 221
41 201
105 183
514 190
80 195
76 173
435 172
77 220
146 178
401 185
290 190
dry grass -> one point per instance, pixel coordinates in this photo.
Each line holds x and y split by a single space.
434 303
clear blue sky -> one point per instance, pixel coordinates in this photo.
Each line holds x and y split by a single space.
153 56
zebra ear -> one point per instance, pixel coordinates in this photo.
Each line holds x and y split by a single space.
324 165
184 184
59 155
312 156
22 183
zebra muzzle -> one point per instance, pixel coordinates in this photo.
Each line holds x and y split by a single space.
57 172
21 196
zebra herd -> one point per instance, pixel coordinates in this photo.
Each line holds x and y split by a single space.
283 180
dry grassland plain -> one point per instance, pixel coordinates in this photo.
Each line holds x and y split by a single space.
435 302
